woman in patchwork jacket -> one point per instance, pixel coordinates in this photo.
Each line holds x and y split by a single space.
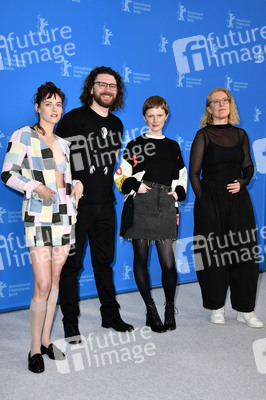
152 172
37 165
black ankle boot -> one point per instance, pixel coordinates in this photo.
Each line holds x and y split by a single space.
152 319
169 316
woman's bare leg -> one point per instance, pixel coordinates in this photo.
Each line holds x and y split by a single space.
41 259
59 256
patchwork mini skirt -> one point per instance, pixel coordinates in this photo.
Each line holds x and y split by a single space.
155 215
59 233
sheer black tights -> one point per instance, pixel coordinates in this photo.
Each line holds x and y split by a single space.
167 262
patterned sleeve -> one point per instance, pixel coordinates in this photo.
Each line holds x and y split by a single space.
123 178
180 185
14 158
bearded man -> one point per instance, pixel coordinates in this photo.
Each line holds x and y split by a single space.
96 136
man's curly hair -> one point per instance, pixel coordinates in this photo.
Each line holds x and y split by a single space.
86 97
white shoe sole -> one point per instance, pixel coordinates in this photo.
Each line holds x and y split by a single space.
241 319
219 322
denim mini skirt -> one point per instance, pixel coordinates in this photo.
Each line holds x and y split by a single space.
154 214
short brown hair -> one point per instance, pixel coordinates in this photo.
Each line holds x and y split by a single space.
155 102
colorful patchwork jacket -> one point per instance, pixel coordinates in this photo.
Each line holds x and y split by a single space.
28 163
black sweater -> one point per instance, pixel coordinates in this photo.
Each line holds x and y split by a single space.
95 142
156 160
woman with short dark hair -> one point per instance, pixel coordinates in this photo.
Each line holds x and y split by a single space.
37 165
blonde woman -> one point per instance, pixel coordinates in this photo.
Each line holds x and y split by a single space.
220 169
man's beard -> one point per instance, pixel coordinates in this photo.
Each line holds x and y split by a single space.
106 104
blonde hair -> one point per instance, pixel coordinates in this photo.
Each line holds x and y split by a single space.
233 117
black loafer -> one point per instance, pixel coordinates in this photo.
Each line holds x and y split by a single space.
35 363
118 325
72 335
53 352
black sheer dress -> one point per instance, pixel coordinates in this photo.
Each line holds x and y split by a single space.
225 240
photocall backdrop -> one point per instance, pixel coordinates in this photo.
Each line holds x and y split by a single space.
177 49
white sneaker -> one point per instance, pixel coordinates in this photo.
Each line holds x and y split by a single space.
217 316
249 318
